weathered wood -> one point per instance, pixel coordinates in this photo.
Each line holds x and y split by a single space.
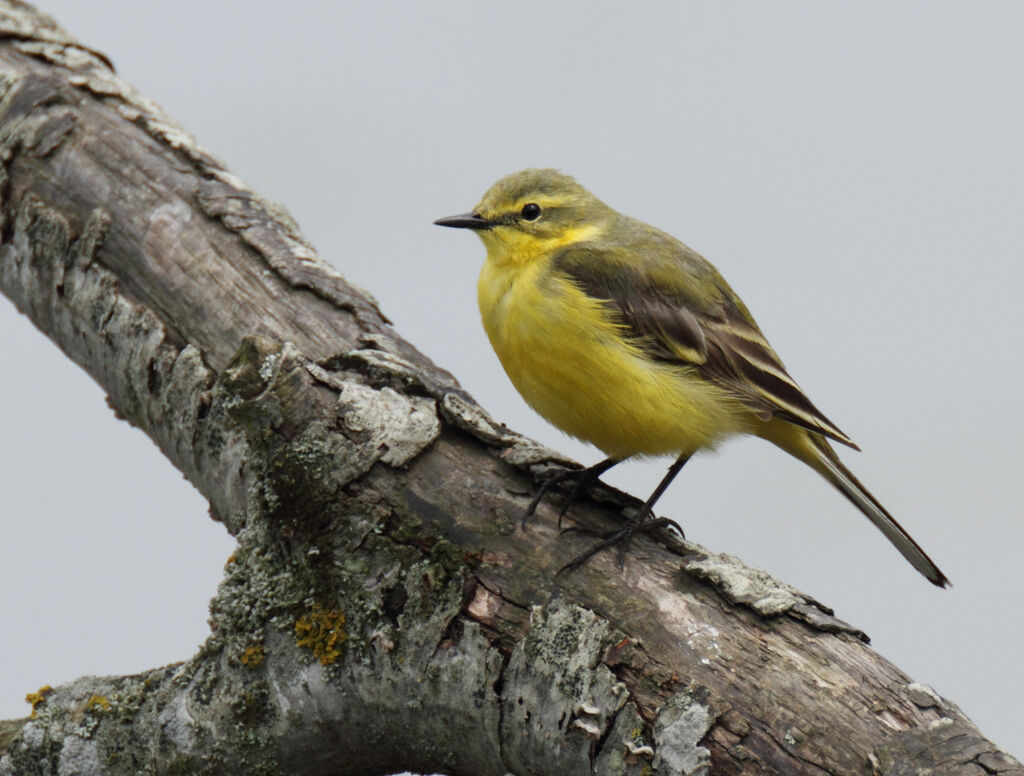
384 609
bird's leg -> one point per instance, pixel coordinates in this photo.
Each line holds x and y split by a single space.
645 522
585 480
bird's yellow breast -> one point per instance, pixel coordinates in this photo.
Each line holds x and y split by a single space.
571 363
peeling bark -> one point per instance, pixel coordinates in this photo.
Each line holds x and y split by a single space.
384 609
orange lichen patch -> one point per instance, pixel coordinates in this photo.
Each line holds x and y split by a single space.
37 697
97 703
320 630
253 655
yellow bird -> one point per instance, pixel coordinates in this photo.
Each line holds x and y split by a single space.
622 336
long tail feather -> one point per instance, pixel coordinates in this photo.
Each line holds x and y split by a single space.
850 486
815 451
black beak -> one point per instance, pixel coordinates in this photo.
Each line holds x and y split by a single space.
465 221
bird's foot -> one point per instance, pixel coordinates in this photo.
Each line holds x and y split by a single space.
585 480
622 537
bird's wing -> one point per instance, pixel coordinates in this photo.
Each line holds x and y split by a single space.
676 307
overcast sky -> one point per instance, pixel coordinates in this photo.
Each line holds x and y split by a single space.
855 171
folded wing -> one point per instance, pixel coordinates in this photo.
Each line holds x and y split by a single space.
676 307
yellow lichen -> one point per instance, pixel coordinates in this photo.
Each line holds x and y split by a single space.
97 703
37 697
253 655
320 630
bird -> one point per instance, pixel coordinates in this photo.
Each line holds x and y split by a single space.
622 336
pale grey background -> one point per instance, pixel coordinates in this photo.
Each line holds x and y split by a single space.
856 173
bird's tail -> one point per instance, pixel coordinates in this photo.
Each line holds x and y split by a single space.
816 452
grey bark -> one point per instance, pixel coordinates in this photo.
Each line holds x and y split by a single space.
384 609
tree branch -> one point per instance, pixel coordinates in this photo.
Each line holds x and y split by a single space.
384 610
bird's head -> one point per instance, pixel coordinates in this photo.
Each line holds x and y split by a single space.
530 213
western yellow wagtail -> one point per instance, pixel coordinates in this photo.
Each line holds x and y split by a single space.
624 337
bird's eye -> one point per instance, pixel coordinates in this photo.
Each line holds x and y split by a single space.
531 211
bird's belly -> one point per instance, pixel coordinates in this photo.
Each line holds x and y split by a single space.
570 363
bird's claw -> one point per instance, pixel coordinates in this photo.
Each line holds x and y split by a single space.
620 536
542 491
585 480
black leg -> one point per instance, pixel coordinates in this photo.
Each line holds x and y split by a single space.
673 470
585 480
645 522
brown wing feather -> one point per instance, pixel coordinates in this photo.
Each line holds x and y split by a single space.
744 360
719 339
